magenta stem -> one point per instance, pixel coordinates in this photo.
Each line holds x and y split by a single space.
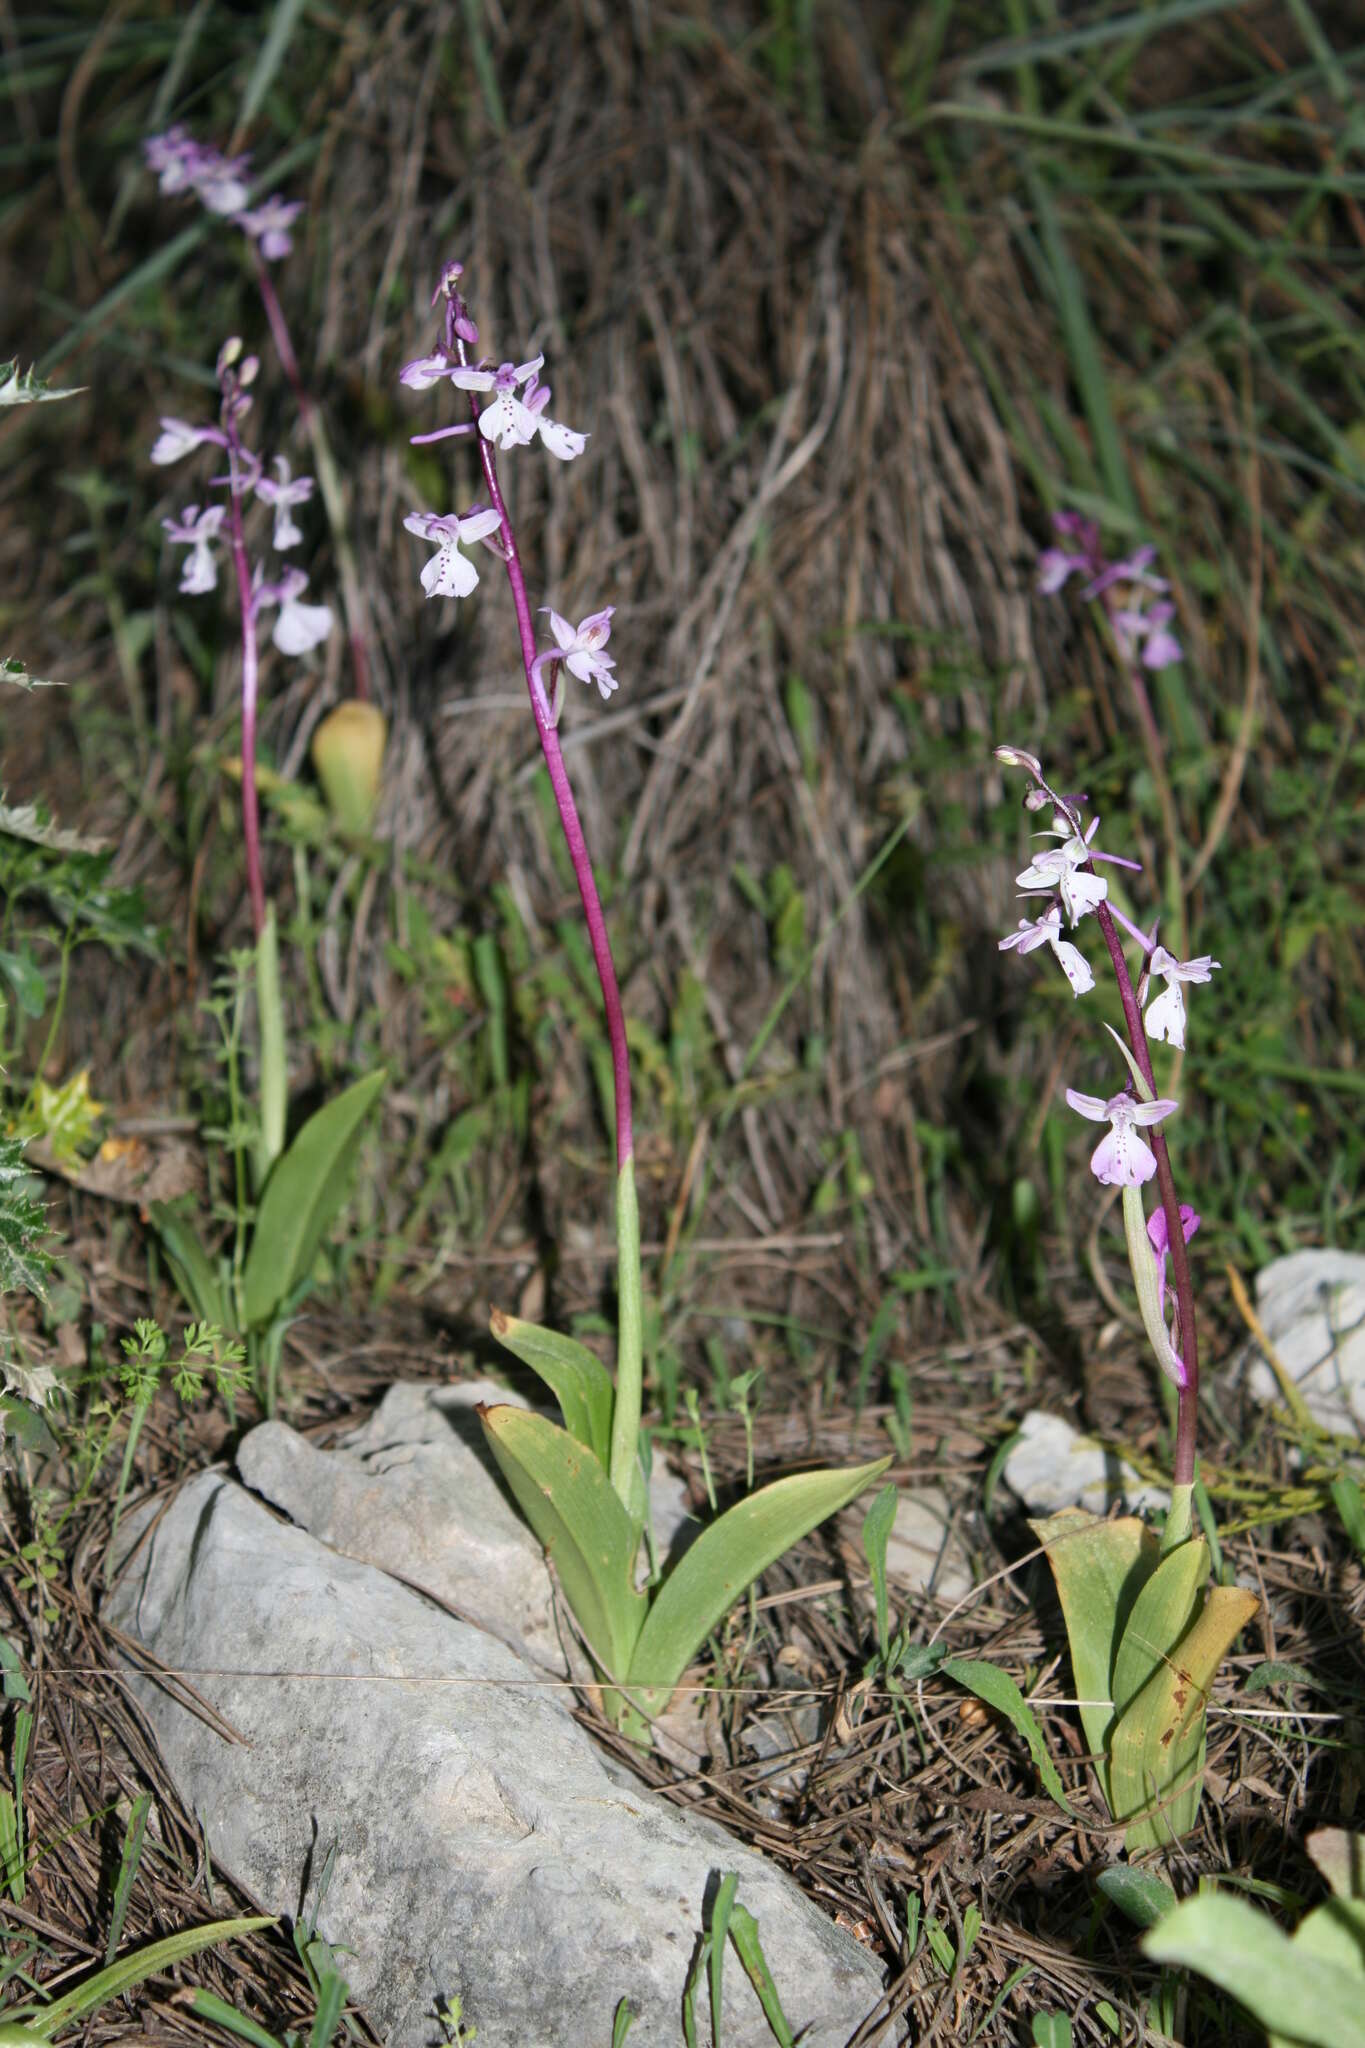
554 763
284 346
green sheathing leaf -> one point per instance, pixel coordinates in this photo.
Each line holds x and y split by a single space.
1162 1612
1158 1743
306 1188
1245 1954
579 1382
570 1503
999 1690
274 1069
1099 1568
724 1560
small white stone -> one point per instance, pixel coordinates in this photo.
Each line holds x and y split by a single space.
1053 1466
1312 1308
922 1552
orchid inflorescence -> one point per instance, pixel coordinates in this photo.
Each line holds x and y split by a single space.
1066 874
204 529
221 185
514 414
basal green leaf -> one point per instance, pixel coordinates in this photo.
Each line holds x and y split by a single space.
1156 1755
1100 1568
579 1381
1245 1953
306 1188
724 1560
570 1503
1139 1894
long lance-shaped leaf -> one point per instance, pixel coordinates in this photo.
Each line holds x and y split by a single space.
45 2021
571 1504
1161 1614
724 1560
579 1382
1156 1762
307 1186
1100 1568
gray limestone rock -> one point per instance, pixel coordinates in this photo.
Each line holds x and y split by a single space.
482 1844
415 1492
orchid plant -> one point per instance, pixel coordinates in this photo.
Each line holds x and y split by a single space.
582 1487
1145 1639
298 1189
348 745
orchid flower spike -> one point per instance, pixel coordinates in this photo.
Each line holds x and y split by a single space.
511 419
1165 1017
448 573
283 494
197 531
1123 1159
1047 931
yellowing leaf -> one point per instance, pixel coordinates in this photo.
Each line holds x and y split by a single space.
1156 1756
65 1115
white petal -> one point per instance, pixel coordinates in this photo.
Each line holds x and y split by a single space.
1081 893
505 421
478 525
1088 1105
1075 966
562 441
449 574
301 626
1153 1112
1165 1018
1123 1159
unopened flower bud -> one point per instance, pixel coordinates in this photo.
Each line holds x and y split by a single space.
348 754
1015 757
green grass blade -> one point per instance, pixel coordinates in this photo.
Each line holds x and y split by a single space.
270 57
127 1871
206 2005
129 1970
749 1949
720 1924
